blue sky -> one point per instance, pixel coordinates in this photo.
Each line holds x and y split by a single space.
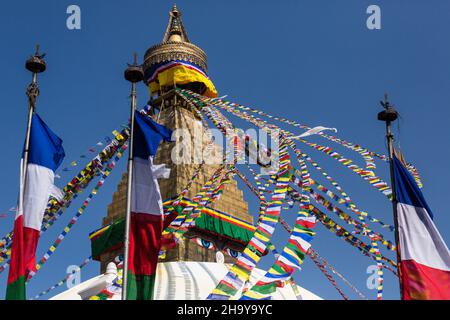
312 61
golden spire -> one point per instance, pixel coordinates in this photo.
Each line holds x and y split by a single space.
175 29
174 46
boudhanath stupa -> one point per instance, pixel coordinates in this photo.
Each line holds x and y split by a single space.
192 268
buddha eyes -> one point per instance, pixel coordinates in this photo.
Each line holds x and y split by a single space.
233 253
205 244
211 246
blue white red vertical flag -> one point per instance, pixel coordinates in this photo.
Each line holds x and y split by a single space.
45 156
424 256
146 221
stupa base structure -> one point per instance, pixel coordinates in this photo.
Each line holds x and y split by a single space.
220 236
212 235
183 280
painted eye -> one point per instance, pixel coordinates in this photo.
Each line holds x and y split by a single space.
205 244
233 253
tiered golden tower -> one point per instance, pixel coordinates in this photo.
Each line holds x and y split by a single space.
173 112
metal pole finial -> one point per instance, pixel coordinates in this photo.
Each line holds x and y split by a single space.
134 71
36 63
389 113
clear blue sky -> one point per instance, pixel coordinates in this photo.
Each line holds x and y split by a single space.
312 61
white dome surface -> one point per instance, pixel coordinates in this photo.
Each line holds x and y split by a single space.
186 280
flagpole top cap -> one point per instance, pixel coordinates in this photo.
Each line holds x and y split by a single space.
389 113
36 63
134 71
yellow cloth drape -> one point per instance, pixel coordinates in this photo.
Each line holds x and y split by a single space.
181 74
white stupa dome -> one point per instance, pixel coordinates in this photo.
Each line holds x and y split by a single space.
181 280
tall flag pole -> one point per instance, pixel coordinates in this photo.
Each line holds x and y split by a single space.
35 64
132 74
388 115
42 155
